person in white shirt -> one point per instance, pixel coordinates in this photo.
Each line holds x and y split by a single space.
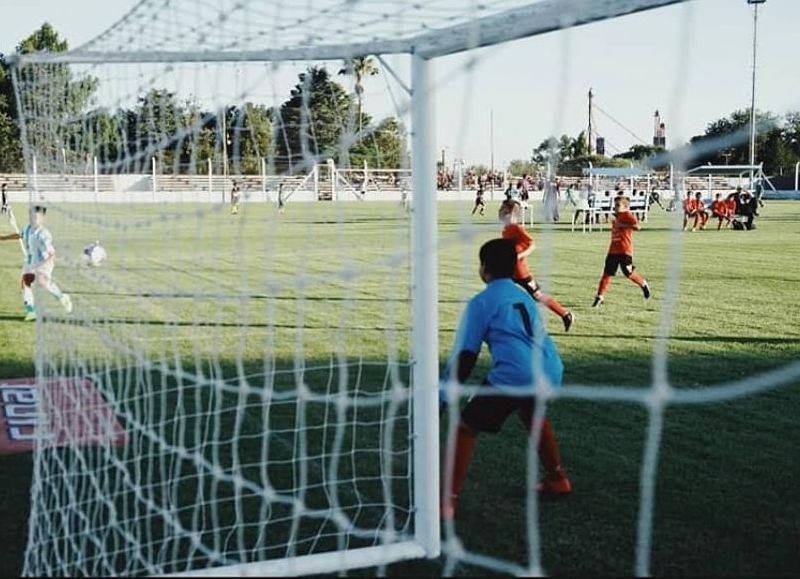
39 262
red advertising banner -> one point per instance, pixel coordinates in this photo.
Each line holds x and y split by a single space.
72 411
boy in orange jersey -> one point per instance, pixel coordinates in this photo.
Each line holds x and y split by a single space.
620 252
689 210
720 210
700 212
510 214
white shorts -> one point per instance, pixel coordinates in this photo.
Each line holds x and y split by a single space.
45 270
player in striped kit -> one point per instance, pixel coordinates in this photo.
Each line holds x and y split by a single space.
39 262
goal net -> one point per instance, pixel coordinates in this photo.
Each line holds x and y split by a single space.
247 384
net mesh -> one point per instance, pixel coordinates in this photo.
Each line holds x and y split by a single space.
256 355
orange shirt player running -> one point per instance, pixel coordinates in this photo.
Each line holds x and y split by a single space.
510 214
620 252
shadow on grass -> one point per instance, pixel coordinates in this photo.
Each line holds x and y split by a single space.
727 501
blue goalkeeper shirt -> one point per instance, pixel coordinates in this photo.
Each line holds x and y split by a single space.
505 317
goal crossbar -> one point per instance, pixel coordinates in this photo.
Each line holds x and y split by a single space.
526 21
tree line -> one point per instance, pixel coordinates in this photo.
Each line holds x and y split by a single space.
319 120
724 142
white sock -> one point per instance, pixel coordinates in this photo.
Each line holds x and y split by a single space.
27 298
53 288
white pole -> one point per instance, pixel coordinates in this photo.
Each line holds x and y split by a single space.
210 179
224 152
35 171
631 180
753 95
425 309
366 177
264 177
155 186
94 170
797 176
491 140
64 159
672 178
334 172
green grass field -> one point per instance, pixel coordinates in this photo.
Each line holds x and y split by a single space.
224 296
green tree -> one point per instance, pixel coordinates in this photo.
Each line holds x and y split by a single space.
384 147
54 100
519 167
311 123
153 131
251 137
736 127
360 67
11 158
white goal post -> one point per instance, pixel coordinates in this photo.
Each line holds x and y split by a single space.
233 435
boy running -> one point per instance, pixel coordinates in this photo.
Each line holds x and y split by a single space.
480 204
39 262
511 214
620 252
281 202
522 354
236 197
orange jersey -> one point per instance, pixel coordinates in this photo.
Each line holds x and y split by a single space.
719 207
522 241
622 233
731 206
689 205
699 205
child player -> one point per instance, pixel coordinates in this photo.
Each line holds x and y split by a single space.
236 197
522 352
719 209
39 262
620 252
689 210
480 204
510 214
701 214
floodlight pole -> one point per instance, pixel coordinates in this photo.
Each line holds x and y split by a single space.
755 4
491 144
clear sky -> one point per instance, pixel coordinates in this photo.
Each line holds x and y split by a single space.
691 61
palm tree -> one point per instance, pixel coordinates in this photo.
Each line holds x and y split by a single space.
360 67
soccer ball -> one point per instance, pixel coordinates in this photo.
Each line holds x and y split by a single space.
94 254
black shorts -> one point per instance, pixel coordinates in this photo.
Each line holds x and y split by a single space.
620 261
488 410
528 284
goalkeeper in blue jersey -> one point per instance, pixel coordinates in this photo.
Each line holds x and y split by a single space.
39 262
505 317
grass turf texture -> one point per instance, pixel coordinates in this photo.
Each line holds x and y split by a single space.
727 494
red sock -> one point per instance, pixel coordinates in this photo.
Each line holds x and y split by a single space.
548 449
637 279
465 444
553 305
605 281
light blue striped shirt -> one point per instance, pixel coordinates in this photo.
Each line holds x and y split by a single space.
38 244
